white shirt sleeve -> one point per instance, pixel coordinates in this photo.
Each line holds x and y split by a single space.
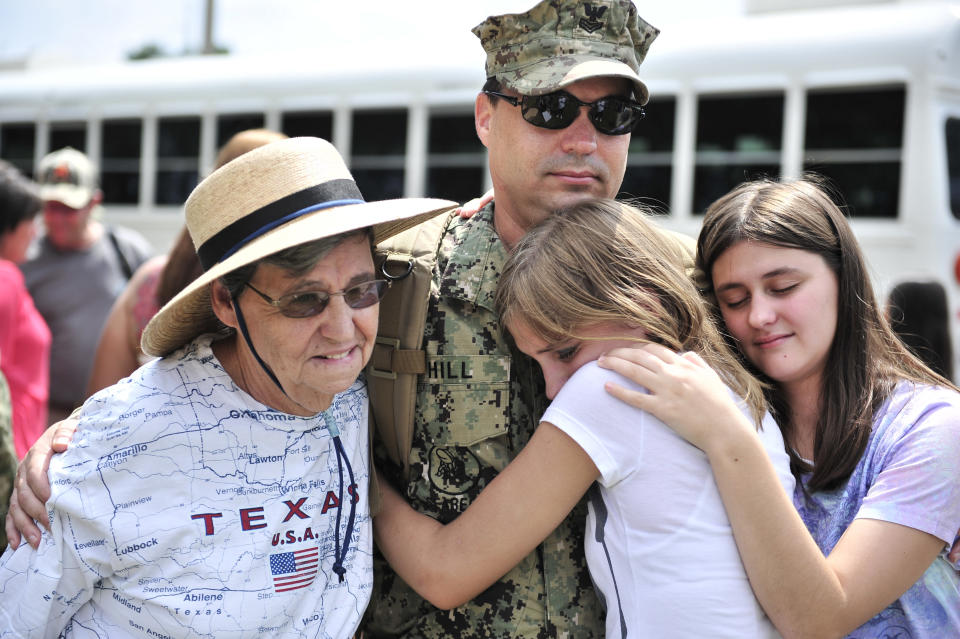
611 432
40 590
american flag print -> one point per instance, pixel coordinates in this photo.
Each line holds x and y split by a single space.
293 570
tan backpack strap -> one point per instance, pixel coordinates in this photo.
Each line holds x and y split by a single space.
388 358
376 498
407 260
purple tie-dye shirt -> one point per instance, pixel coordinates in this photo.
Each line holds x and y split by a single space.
909 475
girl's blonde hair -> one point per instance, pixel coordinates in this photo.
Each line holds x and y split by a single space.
604 261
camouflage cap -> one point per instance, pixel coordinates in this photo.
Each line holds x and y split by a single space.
559 42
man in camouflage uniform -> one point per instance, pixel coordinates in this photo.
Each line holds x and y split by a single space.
480 399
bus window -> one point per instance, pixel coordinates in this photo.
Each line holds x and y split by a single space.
378 146
739 138
650 158
953 164
68 134
178 158
17 143
855 138
227 125
455 158
120 163
318 124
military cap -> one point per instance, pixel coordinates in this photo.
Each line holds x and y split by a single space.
559 42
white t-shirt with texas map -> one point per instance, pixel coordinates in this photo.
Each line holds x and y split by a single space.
186 508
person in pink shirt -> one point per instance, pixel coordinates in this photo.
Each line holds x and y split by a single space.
24 336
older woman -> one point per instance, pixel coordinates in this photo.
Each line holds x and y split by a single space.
222 489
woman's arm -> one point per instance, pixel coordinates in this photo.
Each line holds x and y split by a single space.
804 593
450 564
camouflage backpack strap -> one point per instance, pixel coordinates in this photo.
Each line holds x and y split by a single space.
407 260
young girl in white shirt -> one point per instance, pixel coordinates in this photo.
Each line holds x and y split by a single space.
659 546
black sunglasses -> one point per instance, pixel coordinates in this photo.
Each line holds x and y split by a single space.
310 303
612 115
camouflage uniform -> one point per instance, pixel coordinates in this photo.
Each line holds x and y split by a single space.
8 458
477 406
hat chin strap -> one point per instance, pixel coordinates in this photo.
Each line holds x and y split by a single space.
242 325
339 555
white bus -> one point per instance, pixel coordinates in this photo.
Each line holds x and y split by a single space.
867 95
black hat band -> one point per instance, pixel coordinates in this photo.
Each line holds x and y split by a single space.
241 232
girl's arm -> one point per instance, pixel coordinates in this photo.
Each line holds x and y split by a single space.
450 564
804 593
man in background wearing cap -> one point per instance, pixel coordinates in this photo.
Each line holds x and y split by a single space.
75 271
555 114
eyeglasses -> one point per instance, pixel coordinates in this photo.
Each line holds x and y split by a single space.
612 115
310 303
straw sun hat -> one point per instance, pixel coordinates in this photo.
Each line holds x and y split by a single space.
277 196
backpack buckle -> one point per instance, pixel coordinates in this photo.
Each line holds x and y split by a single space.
381 360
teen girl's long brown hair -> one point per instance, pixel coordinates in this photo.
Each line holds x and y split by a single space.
865 361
